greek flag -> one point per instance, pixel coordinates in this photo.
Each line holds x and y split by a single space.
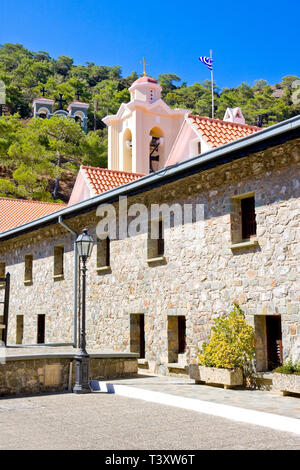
206 61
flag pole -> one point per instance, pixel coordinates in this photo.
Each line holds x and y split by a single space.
212 88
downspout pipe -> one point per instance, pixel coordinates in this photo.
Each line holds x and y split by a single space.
75 288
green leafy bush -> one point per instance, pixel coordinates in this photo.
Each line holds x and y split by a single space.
231 344
288 368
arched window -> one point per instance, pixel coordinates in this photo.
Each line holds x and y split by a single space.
43 113
127 150
78 116
155 150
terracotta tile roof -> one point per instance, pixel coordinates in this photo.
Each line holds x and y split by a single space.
217 132
15 212
102 179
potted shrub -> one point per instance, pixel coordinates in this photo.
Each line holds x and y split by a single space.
286 378
230 348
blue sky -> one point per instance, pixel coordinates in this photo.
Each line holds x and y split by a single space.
250 40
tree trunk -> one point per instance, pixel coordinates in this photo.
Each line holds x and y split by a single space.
56 183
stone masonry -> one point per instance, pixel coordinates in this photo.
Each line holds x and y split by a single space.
199 278
57 374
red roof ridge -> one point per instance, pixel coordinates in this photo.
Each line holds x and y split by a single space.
234 124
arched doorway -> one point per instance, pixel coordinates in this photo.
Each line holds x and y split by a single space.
155 150
127 150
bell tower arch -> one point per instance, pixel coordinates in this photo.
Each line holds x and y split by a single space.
144 130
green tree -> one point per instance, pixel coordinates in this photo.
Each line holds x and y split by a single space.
63 65
39 150
166 82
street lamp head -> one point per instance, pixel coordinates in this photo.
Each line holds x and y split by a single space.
85 245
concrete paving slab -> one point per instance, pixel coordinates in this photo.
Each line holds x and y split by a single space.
251 406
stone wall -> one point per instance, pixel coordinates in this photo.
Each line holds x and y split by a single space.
199 278
27 376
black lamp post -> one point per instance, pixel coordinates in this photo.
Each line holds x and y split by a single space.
84 244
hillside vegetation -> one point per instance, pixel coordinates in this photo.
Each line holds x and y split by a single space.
36 155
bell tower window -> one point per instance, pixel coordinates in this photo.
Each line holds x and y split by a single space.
127 151
155 151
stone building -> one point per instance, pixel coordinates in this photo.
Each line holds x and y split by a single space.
159 299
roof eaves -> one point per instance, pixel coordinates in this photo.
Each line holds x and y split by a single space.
87 180
198 131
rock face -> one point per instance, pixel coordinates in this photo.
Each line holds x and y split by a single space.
199 277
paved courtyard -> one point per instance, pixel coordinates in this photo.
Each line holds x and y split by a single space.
107 421
259 400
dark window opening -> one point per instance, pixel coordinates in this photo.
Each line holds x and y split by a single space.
103 253
58 261
28 268
41 329
274 341
248 217
20 329
142 336
181 335
156 245
2 273
137 334
160 241
176 337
